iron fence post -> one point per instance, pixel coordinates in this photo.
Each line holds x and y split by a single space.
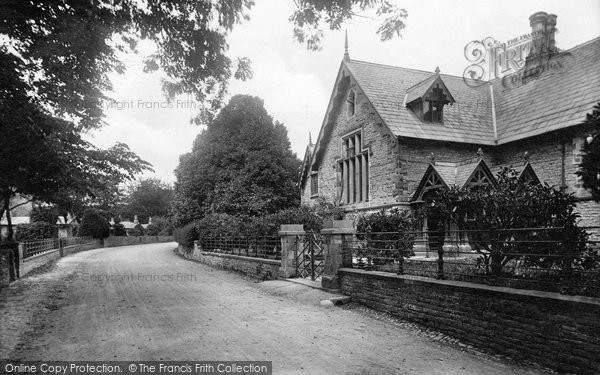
400 253
440 251
311 250
369 248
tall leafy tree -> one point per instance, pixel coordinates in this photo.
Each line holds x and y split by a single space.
589 169
147 197
241 164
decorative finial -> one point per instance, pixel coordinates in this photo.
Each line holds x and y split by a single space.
437 70
346 55
309 139
432 158
525 157
480 153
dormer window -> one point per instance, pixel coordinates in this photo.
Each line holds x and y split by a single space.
351 103
427 99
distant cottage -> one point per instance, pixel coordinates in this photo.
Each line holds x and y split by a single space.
391 134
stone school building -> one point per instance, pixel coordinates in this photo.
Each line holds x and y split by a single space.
391 134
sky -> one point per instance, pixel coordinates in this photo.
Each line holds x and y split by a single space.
296 83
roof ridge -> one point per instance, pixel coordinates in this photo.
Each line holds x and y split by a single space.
420 83
452 75
566 50
582 44
402 68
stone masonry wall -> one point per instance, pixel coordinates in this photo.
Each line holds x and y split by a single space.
264 269
547 159
375 137
562 332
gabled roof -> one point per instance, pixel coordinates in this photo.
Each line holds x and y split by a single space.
306 163
385 87
61 220
420 89
453 174
558 99
524 171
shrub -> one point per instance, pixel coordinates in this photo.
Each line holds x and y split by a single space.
118 229
222 225
160 226
138 230
35 231
496 214
186 235
94 224
384 231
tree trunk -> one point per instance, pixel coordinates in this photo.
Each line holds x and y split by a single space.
6 208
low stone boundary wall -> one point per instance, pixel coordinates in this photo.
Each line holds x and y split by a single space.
558 331
264 269
30 263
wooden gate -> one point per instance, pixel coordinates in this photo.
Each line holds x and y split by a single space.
310 259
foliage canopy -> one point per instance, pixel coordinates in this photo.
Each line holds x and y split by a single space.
590 160
496 217
241 164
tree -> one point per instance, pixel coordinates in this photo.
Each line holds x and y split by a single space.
94 224
240 165
45 159
589 169
148 197
160 226
118 229
311 14
495 216
64 49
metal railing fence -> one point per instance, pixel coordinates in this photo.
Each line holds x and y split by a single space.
31 248
548 259
267 247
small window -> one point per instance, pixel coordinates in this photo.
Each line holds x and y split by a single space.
314 184
432 111
351 103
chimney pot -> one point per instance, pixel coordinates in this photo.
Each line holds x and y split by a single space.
542 43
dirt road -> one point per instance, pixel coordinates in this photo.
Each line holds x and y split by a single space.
146 303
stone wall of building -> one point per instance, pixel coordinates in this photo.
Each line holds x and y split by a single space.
376 138
562 332
396 165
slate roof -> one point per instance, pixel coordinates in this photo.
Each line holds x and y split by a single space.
419 89
455 174
560 98
385 86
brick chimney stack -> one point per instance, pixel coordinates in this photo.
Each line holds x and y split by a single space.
543 28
